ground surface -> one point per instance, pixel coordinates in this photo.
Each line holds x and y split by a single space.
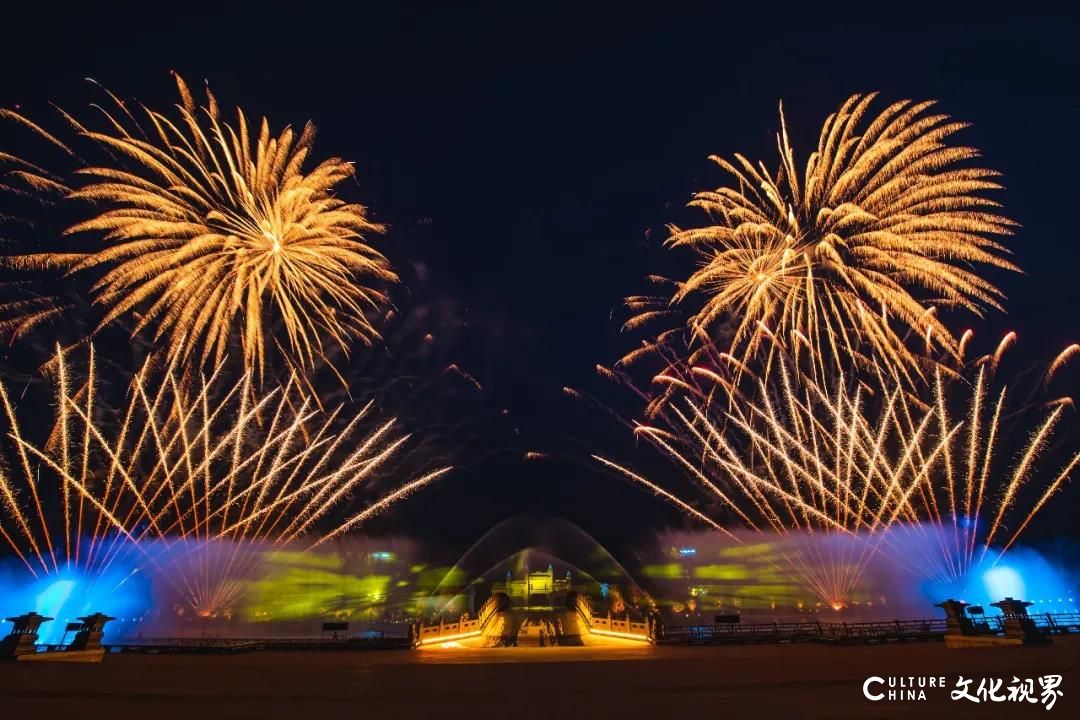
623 682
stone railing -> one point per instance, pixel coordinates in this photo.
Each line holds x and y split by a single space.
620 626
615 626
464 628
445 632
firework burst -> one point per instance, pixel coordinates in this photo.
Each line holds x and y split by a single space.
844 262
212 233
863 461
198 479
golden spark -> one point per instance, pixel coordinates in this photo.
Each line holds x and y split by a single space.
845 260
193 479
865 461
214 232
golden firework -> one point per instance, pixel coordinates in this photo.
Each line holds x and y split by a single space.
215 232
845 261
863 460
197 479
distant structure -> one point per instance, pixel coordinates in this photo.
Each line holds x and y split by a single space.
1017 627
541 585
89 635
21 643
22 640
537 608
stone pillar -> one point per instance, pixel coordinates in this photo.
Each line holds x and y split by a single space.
23 637
89 636
956 622
1018 625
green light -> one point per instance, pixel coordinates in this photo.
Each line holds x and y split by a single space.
296 593
721 572
668 571
301 559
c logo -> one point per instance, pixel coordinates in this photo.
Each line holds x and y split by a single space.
866 688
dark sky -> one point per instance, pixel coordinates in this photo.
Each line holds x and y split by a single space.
536 148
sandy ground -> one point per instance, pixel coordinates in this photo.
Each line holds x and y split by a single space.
769 681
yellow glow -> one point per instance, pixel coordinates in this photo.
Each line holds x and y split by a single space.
444 639
667 570
721 572
296 559
625 636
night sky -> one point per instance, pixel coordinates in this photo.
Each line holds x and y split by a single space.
529 161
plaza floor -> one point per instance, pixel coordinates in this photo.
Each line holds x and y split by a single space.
623 681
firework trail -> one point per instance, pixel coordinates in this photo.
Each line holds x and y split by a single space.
846 262
212 233
867 462
195 480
